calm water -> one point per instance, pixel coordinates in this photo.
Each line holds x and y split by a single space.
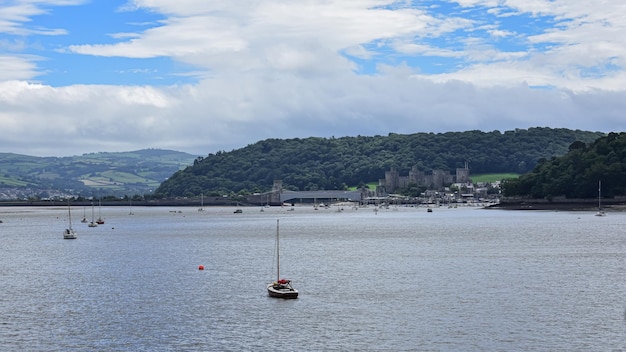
463 279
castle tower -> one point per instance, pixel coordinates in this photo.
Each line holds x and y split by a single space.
277 189
278 186
462 174
391 180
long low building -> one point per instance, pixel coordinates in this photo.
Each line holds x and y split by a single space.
353 196
278 196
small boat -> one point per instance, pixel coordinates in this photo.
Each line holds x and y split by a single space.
281 288
600 211
92 223
84 219
69 233
201 202
99 221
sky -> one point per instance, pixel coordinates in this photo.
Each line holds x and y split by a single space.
201 76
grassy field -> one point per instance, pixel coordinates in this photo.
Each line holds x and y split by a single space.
111 179
371 185
492 177
7 181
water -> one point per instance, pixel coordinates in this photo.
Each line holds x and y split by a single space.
462 279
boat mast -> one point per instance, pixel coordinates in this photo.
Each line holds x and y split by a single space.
277 253
69 213
599 194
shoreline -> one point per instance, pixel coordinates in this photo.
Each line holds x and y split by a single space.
123 203
609 205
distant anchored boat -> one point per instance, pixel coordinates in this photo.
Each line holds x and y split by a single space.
600 211
93 222
100 221
69 233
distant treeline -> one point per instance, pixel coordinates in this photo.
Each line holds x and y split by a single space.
337 163
581 173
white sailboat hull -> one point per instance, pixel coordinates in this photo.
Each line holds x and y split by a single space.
281 291
69 234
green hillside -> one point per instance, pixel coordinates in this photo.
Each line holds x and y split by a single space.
578 173
124 173
338 163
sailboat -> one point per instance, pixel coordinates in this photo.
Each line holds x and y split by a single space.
92 223
69 233
281 288
201 202
84 219
99 221
600 211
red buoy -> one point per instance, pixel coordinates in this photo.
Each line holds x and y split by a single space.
201 267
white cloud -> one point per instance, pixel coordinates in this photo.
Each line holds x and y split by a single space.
17 67
226 36
281 69
231 112
17 13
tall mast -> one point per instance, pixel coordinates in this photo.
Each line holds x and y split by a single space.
69 213
277 253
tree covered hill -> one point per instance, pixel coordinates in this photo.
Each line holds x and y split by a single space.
577 173
94 174
335 163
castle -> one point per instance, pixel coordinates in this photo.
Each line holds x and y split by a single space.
436 180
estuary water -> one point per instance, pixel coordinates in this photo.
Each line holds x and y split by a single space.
400 279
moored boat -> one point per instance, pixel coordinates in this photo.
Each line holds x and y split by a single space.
100 221
281 288
69 233
600 211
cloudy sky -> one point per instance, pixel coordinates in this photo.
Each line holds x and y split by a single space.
200 76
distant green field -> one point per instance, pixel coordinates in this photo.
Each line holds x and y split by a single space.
111 179
12 182
492 177
371 185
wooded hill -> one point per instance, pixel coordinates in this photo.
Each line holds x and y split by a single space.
577 173
336 163
93 174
